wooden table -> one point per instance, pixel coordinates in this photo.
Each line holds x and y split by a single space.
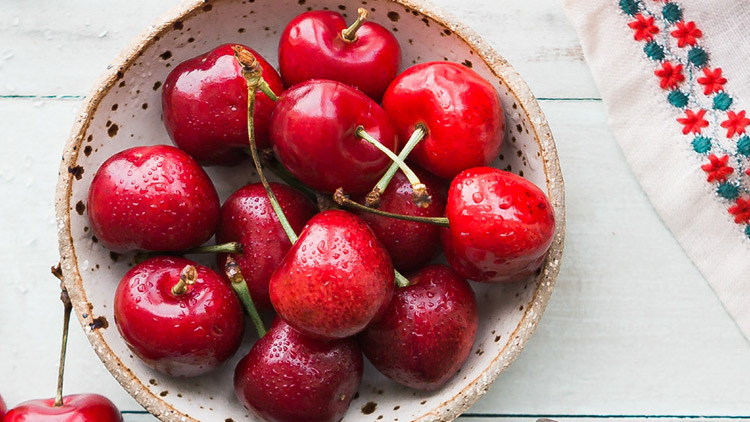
632 332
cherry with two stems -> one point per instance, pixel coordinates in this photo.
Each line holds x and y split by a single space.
319 45
204 101
154 198
73 408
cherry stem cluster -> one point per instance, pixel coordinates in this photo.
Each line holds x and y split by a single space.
350 34
373 198
239 284
420 195
68 308
340 198
252 73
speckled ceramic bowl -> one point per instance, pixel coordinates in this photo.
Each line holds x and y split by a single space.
123 110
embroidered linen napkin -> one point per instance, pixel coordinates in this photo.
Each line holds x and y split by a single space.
674 76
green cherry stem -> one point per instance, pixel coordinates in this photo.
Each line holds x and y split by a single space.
239 284
420 195
344 201
350 34
229 247
68 308
373 198
251 71
401 281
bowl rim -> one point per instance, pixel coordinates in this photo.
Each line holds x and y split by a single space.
448 410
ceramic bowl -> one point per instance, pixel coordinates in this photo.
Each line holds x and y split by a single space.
123 110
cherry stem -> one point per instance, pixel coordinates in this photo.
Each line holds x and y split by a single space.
251 71
188 276
229 247
68 306
373 198
350 34
420 195
401 281
239 284
344 201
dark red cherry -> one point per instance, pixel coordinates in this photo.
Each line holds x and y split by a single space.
334 279
153 198
410 244
75 408
461 111
313 134
288 377
501 225
181 329
427 332
312 47
204 101
247 217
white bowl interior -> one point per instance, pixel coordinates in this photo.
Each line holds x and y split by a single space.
129 114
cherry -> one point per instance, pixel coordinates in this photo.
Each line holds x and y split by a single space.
428 331
314 130
411 245
204 101
179 317
74 408
318 45
247 217
288 377
3 408
154 198
460 110
501 225
334 279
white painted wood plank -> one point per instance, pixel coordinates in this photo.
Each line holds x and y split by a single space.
632 328
79 38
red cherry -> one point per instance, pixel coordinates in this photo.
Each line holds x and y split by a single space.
501 225
154 198
313 134
334 279
461 110
312 47
428 331
247 217
183 331
410 244
288 377
204 101
3 408
75 408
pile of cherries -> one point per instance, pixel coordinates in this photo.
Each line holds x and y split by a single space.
334 277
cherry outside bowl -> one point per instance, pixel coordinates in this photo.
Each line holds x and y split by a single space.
123 110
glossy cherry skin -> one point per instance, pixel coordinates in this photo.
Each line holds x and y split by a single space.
461 110
75 408
311 47
179 335
411 245
289 377
247 217
427 332
334 279
3 408
153 198
312 130
204 101
501 225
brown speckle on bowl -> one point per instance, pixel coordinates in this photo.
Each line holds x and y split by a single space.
80 207
114 256
393 16
76 171
112 130
157 84
99 322
114 107
369 408
144 106
177 25
153 381
164 393
468 63
208 7
166 55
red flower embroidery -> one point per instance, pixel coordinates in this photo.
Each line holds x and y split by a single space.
735 123
693 122
644 28
741 211
717 168
686 33
713 81
670 76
